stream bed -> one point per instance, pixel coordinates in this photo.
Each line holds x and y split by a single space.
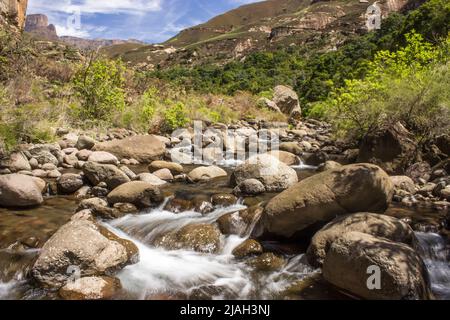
180 274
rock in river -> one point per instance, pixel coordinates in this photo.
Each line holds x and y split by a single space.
273 174
139 193
320 198
377 225
18 190
82 244
107 173
403 275
143 148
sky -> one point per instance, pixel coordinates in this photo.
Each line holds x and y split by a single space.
152 21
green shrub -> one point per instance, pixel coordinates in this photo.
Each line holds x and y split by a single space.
409 85
175 116
100 88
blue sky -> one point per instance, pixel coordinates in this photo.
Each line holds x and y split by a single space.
146 20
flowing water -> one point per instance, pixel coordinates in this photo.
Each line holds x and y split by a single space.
182 274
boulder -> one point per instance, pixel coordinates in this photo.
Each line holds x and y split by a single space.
420 171
287 101
103 157
99 208
85 143
46 153
291 147
18 162
69 183
175 168
203 238
83 155
248 248
164 174
392 148
17 190
273 174
377 225
317 200
223 199
84 247
107 173
90 288
249 187
287 158
267 262
143 148
141 194
151 179
403 183
403 274
206 173
329 165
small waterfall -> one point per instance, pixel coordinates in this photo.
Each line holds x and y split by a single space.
435 252
160 271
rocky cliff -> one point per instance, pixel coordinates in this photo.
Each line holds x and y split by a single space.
13 12
38 25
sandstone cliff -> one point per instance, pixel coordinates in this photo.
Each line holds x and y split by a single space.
13 12
38 25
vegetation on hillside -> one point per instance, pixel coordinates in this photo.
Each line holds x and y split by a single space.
397 73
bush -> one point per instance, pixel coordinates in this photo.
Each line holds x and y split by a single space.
99 86
409 85
175 116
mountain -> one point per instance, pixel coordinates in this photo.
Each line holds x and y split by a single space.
38 26
12 13
263 25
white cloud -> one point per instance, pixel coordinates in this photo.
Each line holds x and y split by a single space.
135 7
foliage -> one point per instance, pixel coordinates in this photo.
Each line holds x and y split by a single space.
175 116
99 86
409 85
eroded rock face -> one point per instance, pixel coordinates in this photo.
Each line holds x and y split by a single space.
18 190
320 198
403 273
38 25
82 244
377 225
14 11
144 149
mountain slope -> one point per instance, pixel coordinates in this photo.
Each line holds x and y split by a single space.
259 26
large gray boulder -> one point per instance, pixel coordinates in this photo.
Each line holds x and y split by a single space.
356 256
18 162
273 174
107 173
18 190
319 199
144 149
380 226
84 247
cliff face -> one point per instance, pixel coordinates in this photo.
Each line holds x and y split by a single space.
13 12
38 25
